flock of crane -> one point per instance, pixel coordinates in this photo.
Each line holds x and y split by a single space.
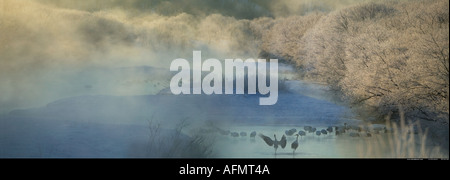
352 131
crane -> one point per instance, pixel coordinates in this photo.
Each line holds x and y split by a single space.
294 145
253 134
301 133
318 133
274 142
330 129
290 132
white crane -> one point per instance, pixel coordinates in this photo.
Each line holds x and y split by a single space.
275 142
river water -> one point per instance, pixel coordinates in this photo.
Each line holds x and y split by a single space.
118 126
300 104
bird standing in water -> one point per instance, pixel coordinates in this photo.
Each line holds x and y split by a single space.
330 129
294 145
253 134
275 142
301 133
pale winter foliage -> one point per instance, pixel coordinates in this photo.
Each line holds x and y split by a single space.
385 55
376 56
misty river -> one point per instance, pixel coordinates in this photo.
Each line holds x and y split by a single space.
92 79
121 126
